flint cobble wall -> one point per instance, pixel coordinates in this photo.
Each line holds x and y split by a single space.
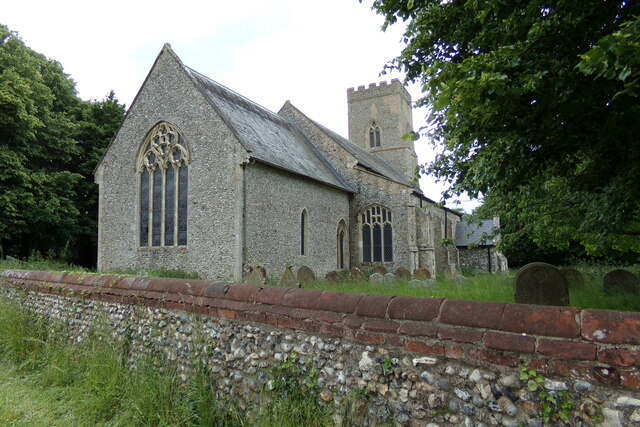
416 361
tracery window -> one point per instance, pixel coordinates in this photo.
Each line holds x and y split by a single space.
377 235
163 184
374 136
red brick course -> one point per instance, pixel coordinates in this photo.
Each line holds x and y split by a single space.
597 345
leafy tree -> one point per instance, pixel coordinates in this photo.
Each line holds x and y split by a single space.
97 123
50 141
518 117
36 139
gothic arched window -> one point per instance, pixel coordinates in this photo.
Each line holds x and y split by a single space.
374 136
163 182
377 235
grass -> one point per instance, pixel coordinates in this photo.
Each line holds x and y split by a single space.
496 287
480 286
45 380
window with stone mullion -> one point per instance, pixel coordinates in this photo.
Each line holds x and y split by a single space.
163 185
377 235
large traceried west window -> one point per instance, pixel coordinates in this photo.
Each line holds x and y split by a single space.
377 235
163 184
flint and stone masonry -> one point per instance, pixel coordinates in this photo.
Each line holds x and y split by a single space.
416 361
260 188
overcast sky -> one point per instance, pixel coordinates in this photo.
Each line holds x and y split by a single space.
308 52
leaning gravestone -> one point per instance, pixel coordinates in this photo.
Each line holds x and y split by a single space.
258 276
289 279
427 283
333 277
573 277
542 284
422 274
620 280
380 270
403 274
355 275
306 275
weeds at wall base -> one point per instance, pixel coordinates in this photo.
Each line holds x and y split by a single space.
93 382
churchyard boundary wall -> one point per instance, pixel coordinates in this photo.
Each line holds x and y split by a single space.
461 355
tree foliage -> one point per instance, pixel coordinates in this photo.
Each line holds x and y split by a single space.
46 157
535 104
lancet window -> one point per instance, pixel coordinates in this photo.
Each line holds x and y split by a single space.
163 181
374 136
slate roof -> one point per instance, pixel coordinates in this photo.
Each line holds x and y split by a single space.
267 137
366 159
471 232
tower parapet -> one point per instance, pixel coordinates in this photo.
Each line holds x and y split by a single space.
379 115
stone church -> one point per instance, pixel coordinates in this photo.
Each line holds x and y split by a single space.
202 179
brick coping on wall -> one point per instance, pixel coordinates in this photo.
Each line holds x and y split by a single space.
598 345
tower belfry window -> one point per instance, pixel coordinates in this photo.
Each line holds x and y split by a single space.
374 136
162 183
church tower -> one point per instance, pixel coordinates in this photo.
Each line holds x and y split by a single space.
378 118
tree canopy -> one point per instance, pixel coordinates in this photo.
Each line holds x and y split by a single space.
50 141
535 104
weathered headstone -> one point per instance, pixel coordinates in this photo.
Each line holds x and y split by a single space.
258 276
403 274
289 279
422 274
306 275
355 275
376 278
389 279
542 284
333 277
380 270
620 280
573 277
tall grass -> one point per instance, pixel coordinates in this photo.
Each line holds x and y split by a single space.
47 380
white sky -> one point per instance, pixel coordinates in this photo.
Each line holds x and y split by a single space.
308 52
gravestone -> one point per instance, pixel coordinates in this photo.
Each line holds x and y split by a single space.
389 279
422 274
573 277
306 275
542 284
333 277
355 275
403 274
376 278
289 279
620 280
258 276
380 270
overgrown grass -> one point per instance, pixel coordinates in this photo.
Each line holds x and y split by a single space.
47 380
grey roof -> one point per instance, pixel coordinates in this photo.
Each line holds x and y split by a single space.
267 137
471 233
366 159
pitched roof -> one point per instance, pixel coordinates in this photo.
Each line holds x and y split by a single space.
268 137
472 233
365 159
